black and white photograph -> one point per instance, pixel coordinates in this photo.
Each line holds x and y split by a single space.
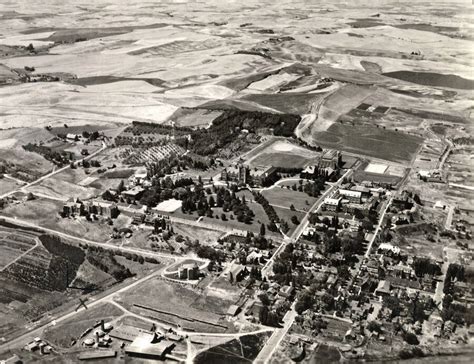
236 182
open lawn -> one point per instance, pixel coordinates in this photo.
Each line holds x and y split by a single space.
281 159
287 197
286 214
283 154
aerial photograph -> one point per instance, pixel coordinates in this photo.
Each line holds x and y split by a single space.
236 182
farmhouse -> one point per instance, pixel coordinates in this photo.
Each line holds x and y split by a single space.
72 137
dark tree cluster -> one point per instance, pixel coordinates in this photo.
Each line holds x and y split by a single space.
60 158
424 266
227 127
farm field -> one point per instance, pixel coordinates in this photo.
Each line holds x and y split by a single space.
369 141
13 245
290 103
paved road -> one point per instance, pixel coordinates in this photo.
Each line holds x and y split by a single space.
274 341
271 345
304 222
377 229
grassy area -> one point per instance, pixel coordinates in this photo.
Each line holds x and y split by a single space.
287 197
282 159
202 234
45 213
7 185
286 214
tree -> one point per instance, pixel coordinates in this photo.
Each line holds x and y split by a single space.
263 315
294 220
120 187
212 202
30 48
224 217
292 207
410 338
262 230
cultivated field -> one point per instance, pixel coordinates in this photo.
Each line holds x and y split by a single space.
373 142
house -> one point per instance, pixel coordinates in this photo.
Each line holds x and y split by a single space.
286 291
387 247
383 288
372 267
73 137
